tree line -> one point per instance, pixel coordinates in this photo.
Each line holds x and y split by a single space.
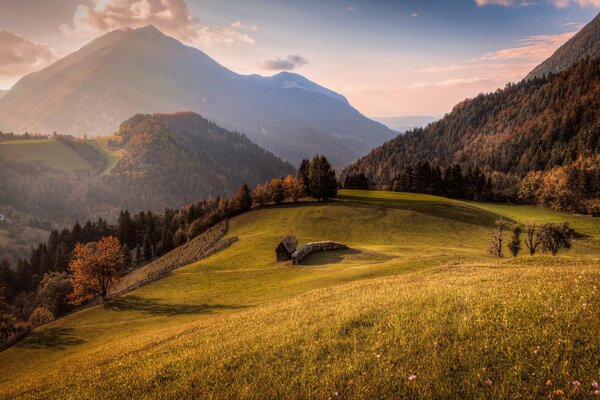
83 262
537 141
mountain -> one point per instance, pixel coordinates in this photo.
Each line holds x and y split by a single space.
550 125
586 43
127 72
406 122
176 159
2 93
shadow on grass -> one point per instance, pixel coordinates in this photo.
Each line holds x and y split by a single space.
440 209
327 257
50 338
153 307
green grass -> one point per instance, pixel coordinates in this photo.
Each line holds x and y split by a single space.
416 294
49 151
111 155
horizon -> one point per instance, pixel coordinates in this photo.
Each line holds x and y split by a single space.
388 58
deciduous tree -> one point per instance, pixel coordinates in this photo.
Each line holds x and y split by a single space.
95 268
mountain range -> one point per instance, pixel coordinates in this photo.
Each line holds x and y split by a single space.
406 122
127 72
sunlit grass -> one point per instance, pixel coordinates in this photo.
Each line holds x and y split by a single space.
51 152
416 294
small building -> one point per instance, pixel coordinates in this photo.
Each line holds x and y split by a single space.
286 248
2 217
313 247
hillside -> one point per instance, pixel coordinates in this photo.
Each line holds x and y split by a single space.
416 294
547 125
124 73
586 43
175 159
51 152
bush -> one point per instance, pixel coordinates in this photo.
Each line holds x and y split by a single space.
40 315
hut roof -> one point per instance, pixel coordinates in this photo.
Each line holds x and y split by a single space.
290 243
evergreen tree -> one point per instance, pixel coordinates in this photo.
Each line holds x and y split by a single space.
303 174
321 179
147 248
243 198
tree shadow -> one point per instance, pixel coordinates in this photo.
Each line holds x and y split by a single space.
50 338
154 307
320 258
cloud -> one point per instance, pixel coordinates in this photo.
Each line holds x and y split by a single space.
350 8
170 16
449 83
19 55
289 63
504 3
533 48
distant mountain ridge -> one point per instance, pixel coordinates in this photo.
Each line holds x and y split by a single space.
406 122
586 43
127 72
2 93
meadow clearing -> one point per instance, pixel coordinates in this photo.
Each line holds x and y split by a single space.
415 309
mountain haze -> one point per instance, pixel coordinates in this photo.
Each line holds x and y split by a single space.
586 43
126 72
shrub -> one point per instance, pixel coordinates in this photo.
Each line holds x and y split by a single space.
40 316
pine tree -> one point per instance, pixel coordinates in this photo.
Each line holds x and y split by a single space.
243 198
321 179
303 174
147 248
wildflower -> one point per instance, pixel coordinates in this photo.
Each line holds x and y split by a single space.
336 394
488 382
548 382
558 392
584 305
595 384
576 383
412 377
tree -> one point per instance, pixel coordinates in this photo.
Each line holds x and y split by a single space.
243 198
147 247
53 291
95 268
496 244
259 195
294 187
276 190
515 241
126 255
303 174
555 237
8 322
321 179
40 316
532 238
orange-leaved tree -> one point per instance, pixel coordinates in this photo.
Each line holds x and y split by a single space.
95 267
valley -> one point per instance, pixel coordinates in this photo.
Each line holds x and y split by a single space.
370 316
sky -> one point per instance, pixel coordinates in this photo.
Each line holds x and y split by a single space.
388 57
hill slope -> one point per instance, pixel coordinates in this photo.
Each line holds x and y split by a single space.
143 71
416 295
175 159
534 125
586 43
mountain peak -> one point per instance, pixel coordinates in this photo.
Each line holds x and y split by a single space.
586 43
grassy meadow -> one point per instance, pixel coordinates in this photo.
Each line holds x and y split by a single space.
49 151
415 297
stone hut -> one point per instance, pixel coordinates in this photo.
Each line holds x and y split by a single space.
286 248
308 248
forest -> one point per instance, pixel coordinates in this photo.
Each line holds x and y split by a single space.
537 141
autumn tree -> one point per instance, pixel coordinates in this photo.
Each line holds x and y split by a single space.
294 187
259 195
95 268
322 184
276 190
532 238
555 237
515 241
497 239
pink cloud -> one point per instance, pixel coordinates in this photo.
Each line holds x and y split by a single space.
170 16
19 55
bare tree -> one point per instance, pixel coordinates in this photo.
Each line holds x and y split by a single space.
532 237
496 244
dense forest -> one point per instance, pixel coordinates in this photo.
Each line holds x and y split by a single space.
537 141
